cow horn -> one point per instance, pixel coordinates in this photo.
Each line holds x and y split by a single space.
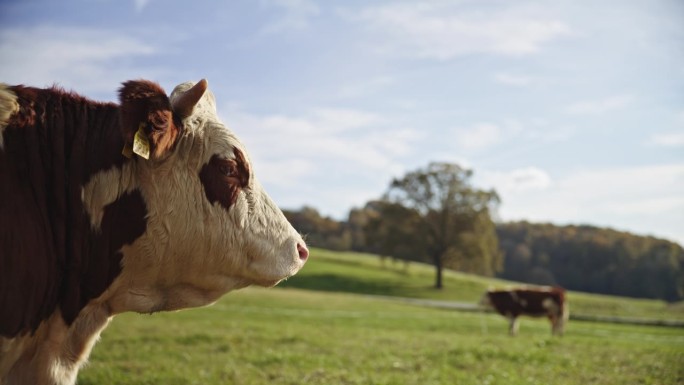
185 102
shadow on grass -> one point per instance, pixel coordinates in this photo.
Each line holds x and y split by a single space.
336 283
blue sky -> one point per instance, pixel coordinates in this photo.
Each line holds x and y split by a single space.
573 110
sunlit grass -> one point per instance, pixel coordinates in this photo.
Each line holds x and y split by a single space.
289 336
335 333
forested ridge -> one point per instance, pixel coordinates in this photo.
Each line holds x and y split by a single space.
592 259
577 257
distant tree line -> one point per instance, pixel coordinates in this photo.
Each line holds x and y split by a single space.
592 259
435 215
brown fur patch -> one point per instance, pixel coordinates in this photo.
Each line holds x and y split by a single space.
49 255
536 302
223 179
525 301
122 223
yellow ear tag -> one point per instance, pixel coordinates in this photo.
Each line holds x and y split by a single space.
141 145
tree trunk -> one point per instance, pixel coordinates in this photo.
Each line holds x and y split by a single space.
438 272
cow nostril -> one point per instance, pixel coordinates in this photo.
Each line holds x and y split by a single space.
303 252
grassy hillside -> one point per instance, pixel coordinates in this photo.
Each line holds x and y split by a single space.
290 336
287 335
366 274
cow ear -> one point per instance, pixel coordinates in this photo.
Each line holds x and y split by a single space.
184 103
147 123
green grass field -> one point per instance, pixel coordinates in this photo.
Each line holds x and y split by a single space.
290 335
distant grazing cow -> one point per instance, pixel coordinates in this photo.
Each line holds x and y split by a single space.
146 206
536 302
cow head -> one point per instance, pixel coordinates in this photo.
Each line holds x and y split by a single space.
209 227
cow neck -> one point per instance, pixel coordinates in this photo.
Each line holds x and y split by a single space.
55 144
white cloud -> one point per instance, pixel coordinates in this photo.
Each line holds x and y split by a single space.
520 180
140 5
478 136
296 15
512 80
338 119
644 199
669 139
282 172
355 143
599 106
305 7
648 206
343 151
519 136
365 88
613 184
444 31
88 60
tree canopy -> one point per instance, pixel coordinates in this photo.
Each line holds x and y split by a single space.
452 219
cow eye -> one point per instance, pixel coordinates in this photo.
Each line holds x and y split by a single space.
227 170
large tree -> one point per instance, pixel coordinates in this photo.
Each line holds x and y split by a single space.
454 217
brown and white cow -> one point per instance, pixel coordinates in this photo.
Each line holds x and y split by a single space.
535 302
87 232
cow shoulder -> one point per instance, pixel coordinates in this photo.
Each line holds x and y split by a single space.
53 142
30 263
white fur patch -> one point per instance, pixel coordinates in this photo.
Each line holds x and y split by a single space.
104 188
548 304
55 352
8 107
